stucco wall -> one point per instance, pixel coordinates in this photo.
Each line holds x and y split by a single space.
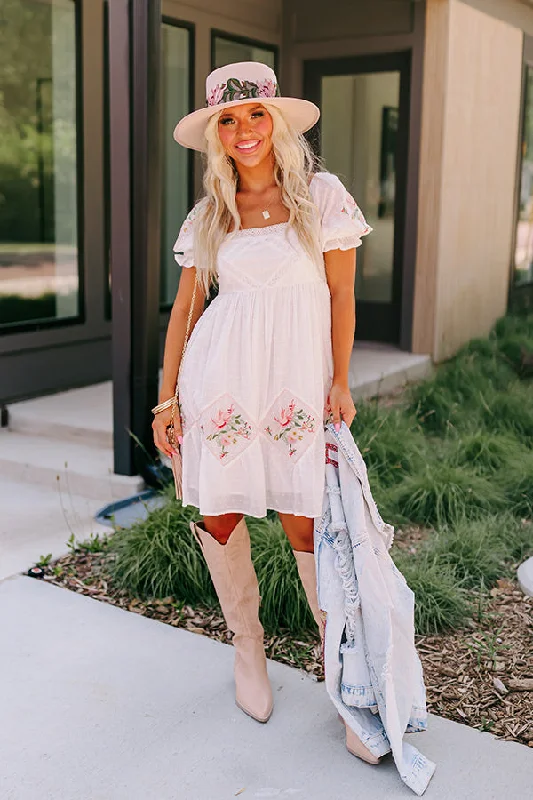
470 128
518 13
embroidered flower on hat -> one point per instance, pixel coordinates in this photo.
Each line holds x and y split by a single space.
234 89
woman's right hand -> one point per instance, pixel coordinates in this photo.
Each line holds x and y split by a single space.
159 427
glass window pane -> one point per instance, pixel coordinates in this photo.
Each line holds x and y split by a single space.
361 152
523 263
38 188
175 181
229 51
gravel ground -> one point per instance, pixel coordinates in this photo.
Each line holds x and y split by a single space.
481 675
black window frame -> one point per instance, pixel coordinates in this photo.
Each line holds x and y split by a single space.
520 297
46 323
165 308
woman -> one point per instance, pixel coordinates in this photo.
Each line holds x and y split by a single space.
270 354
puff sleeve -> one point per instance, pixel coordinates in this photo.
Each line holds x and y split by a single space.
184 246
343 223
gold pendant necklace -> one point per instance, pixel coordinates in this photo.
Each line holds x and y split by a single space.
266 213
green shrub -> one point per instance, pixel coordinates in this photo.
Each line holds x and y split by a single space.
160 556
487 452
443 494
441 604
510 411
517 481
518 350
390 442
472 550
513 534
518 537
283 601
435 407
513 324
473 371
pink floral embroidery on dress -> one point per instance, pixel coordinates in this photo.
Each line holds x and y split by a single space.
291 424
351 208
226 429
230 425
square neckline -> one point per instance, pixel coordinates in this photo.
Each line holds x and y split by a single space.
276 224
259 228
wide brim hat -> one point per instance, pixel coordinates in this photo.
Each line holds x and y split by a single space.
234 85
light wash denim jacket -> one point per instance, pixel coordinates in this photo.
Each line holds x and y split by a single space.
372 669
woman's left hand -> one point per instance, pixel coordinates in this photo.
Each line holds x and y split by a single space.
341 405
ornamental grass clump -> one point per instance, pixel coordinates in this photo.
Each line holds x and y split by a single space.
159 556
443 494
435 407
391 442
474 370
488 452
513 325
510 412
517 481
441 604
283 601
472 551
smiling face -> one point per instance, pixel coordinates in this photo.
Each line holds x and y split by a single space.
246 133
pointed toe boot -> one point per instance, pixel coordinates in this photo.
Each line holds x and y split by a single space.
235 582
355 746
307 572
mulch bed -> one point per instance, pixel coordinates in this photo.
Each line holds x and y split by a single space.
481 675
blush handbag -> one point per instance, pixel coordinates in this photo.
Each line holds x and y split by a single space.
176 459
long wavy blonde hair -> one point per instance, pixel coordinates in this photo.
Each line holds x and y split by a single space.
294 166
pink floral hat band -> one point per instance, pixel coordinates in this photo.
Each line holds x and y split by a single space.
234 89
240 83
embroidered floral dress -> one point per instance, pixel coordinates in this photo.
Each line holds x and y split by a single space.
258 366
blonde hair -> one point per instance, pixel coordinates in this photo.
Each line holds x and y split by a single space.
294 166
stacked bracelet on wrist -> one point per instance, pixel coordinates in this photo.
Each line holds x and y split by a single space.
163 406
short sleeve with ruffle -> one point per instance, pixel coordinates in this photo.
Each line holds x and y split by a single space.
343 223
184 246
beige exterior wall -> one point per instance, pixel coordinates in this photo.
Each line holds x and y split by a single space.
471 113
518 13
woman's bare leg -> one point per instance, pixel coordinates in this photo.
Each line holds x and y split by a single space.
220 527
299 531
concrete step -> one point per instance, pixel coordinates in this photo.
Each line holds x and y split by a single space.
73 467
79 415
377 370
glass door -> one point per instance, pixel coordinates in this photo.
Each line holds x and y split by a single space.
362 137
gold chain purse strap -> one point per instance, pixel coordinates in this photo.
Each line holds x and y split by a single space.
171 436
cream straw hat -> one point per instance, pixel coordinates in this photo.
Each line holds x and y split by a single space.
240 83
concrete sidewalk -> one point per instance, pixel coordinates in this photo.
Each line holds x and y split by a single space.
102 704
38 520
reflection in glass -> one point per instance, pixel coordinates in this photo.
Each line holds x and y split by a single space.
229 51
523 263
38 194
175 172
359 128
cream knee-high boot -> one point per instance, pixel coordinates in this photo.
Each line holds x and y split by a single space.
307 572
235 582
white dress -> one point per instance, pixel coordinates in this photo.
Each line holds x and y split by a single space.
258 366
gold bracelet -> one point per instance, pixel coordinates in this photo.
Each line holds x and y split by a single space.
163 406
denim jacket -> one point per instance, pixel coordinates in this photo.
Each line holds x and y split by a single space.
372 670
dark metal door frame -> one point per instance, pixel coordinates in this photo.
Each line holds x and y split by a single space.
381 321
135 144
